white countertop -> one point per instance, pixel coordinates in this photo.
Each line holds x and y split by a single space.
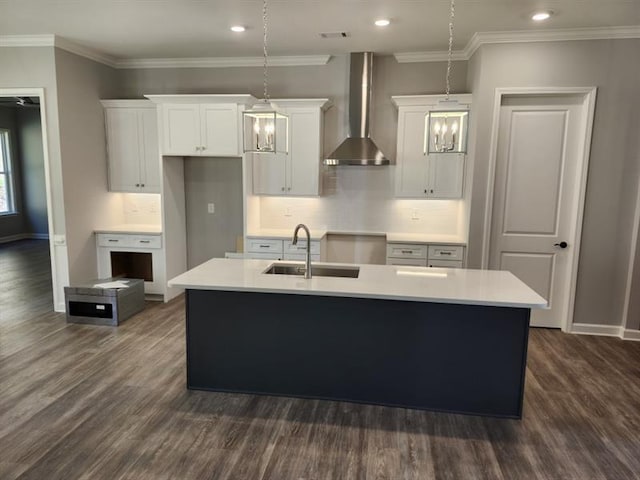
417 284
284 233
131 228
425 238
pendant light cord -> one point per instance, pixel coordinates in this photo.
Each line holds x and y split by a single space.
264 49
450 54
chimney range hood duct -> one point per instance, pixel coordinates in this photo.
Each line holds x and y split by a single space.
358 148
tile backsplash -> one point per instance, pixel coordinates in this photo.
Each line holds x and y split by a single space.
141 208
361 199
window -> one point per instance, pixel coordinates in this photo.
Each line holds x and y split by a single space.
7 200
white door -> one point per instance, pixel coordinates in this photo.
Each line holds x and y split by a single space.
412 166
219 130
123 148
269 176
181 130
535 205
446 174
304 153
149 155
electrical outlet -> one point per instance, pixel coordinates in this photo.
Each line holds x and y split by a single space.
211 208
415 215
287 212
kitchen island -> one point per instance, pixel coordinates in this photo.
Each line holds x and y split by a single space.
428 338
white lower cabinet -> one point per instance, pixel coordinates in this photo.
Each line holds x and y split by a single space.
425 255
277 249
132 256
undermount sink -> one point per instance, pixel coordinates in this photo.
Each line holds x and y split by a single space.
316 270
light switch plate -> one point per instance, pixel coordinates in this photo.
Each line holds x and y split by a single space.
211 208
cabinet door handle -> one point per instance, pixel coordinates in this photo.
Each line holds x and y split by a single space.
282 189
425 190
137 184
431 190
142 184
288 189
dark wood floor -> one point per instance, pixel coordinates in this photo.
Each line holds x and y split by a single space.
87 402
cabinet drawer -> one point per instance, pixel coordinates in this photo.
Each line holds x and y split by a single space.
146 241
406 250
113 240
263 256
445 263
300 257
446 252
301 247
413 262
263 245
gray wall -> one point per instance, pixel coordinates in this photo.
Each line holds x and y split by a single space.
34 196
217 181
13 224
87 202
330 81
613 67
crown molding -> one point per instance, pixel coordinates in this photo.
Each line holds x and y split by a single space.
223 62
85 52
434 56
521 36
27 40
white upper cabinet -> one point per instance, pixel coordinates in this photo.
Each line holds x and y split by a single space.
297 172
180 129
200 130
132 146
201 125
419 174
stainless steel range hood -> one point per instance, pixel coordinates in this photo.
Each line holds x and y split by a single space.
358 148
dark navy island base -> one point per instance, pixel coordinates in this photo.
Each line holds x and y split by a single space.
435 356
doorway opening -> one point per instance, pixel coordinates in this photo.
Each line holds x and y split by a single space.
27 270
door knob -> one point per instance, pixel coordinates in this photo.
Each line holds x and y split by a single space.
561 244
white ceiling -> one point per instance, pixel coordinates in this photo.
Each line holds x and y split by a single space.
200 28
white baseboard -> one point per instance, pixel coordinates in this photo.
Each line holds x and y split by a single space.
629 334
605 331
589 329
24 236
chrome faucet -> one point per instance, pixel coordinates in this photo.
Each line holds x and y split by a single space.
307 272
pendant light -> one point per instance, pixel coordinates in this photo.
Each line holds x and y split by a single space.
265 129
448 123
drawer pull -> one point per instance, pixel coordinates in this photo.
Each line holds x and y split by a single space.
145 241
407 251
445 253
265 246
112 240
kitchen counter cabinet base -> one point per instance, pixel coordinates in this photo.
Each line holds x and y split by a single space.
445 357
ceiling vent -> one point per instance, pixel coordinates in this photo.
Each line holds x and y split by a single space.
335 34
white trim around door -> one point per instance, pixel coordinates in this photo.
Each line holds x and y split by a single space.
588 106
59 262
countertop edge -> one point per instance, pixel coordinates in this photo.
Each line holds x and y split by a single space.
327 293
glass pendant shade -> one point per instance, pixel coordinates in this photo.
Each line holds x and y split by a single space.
265 130
447 131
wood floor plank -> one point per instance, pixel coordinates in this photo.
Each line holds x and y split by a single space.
93 403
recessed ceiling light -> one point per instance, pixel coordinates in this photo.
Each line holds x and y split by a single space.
383 22
540 16
238 28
